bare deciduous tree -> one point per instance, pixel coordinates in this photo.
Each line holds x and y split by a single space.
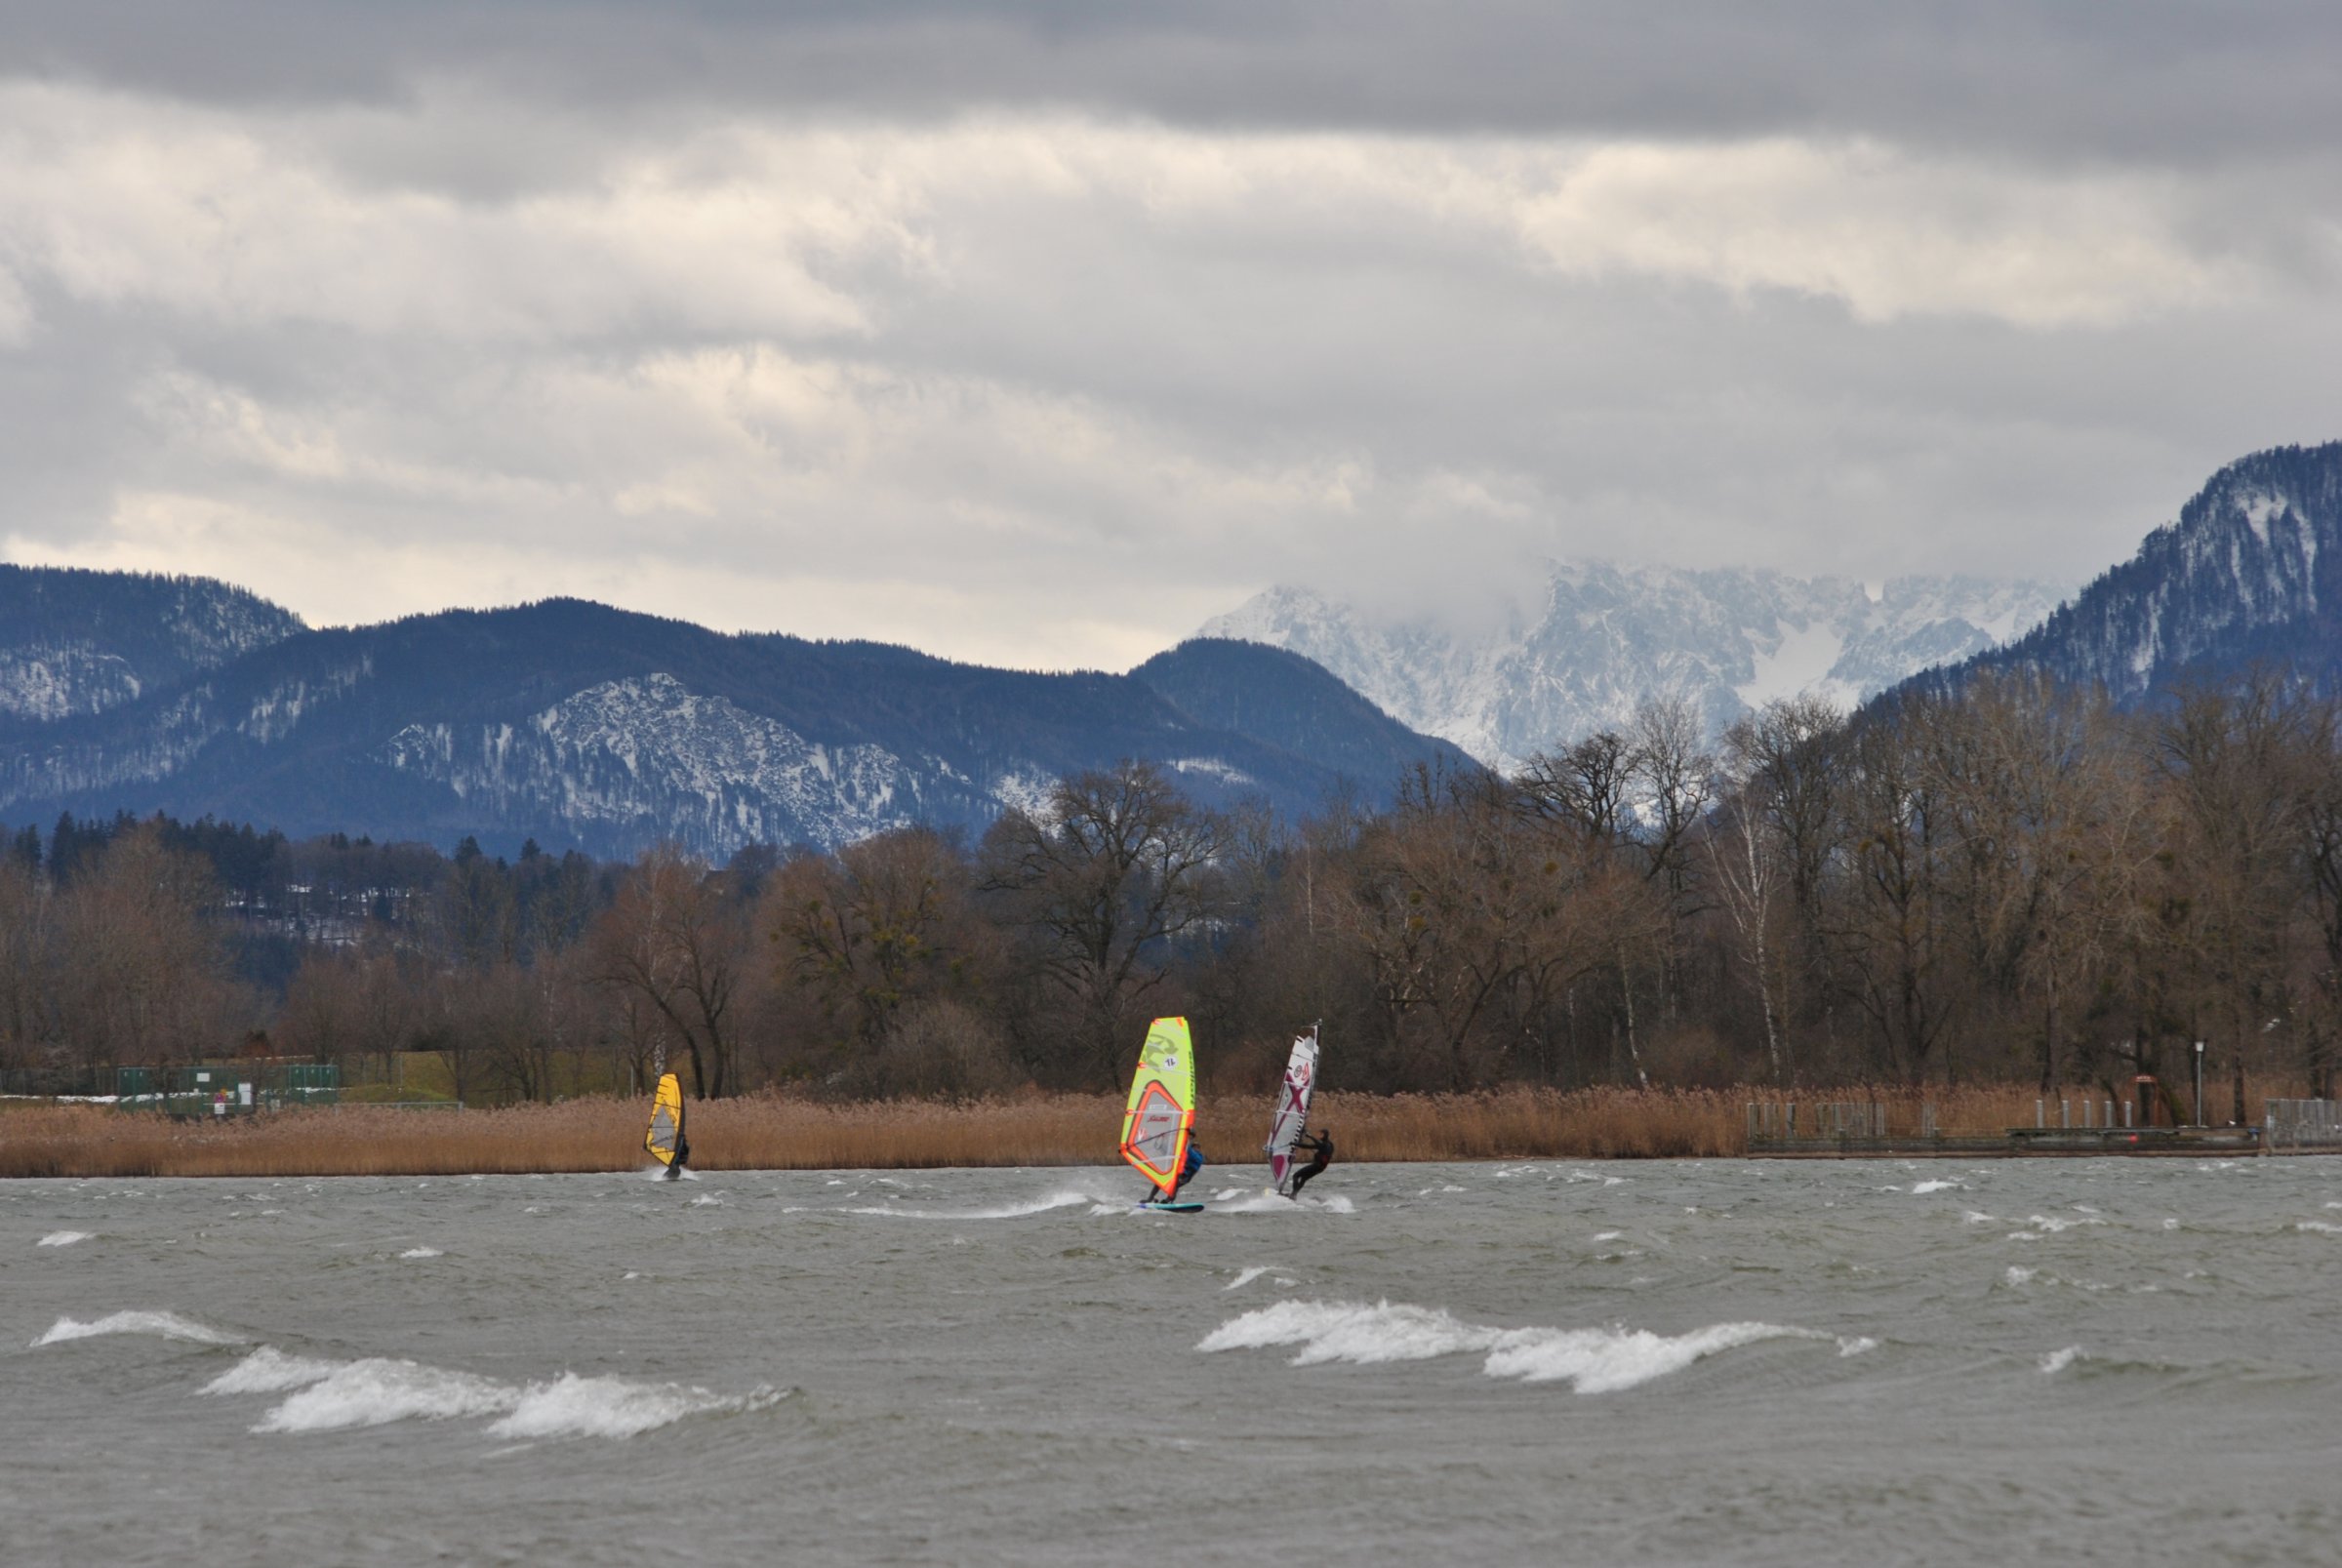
673 940
1117 866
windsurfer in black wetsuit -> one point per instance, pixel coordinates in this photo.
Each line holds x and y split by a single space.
1320 1145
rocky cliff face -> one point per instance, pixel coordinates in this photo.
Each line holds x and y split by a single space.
645 758
1606 638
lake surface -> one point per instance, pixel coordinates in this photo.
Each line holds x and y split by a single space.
1667 1363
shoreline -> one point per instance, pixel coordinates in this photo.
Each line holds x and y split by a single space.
773 1131
777 1133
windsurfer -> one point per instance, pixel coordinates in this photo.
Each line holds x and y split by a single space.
1187 1172
674 1169
1320 1145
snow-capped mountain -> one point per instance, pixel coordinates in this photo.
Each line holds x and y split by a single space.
2252 570
1605 638
81 642
577 724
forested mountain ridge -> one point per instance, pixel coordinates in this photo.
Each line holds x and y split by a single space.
578 724
2252 573
75 641
1281 699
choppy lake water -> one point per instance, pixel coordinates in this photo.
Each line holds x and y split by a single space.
1666 1363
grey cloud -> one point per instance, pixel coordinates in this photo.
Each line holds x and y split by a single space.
729 317
2174 80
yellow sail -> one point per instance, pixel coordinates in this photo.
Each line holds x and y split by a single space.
666 1120
1163 1104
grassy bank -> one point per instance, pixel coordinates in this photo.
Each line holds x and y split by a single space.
773 1133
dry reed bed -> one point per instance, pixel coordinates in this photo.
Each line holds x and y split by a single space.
777 1133
1990 1110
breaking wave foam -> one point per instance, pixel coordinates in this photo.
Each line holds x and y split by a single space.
377 1392
338 1395
1005 1211
160 1325
269 1370
571 1406
1590 1360
62 1238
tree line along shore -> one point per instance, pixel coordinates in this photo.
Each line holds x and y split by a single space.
2014 884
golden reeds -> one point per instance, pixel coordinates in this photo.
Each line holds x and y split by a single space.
772 1132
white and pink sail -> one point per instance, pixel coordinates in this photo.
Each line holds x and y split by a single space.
1292 1109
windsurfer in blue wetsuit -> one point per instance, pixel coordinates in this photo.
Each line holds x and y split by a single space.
1186 1170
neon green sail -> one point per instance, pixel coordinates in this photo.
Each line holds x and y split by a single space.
1161 1108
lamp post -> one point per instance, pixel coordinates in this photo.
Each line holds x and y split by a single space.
2200 1083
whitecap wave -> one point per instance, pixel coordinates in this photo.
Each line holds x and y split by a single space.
64 1238
1590 1360
2319 1226
1253 1200
340 1396
423 1252
378 1391
1921 1188
160 1325
1608 1361
2043 1225
1351 1331
1005 1211
269 1370
2057 1361
1246 1277
571 1406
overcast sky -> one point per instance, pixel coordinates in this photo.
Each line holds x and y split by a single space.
1035 334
